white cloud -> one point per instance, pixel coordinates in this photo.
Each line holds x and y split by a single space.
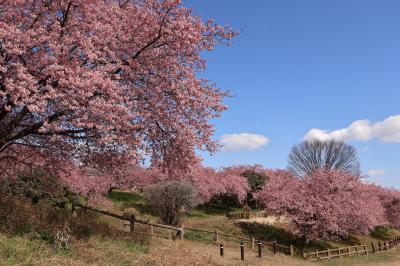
376 172
387 131
242 141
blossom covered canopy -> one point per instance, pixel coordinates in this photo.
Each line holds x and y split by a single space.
325 204
107 75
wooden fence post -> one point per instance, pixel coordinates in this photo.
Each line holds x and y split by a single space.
252 243
126 226
181 233
259 249
379 245
304 254
241 251
329 254
365 249
291 250
274 247
221 250
74 212
373 247
357 249
133 218
151 230
216 238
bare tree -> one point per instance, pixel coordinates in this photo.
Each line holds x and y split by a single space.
314 154
170 200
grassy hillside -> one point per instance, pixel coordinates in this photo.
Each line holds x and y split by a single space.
214 217
99 240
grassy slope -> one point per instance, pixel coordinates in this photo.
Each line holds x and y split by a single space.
214 218
109 249
20 250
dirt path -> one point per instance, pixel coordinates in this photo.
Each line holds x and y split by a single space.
189 253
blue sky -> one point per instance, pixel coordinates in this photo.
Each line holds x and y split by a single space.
299 65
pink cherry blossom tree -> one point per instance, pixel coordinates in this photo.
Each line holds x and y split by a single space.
390 199
325 204
208 181
88 76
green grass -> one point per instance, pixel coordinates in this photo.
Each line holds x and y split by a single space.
125 200
270 233
207 211
98 244
21 250
203 216
202 237
384 232
391 257
124 244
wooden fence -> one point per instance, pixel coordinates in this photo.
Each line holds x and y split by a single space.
352 250
178 232
132 221
245 215
259 249
385 245
336 252
273 245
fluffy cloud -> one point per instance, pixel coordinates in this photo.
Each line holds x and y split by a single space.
387 131
242 141
376 172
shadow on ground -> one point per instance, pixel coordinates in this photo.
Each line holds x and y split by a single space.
131 200
266 232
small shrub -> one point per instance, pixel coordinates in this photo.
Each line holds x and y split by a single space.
247 211
129 212
82 231
171 200
36 185
47 236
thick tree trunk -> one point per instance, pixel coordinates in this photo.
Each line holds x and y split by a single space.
110 190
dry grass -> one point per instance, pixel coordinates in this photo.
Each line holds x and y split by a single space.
98 251
99 240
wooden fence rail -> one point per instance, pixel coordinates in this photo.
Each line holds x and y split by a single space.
352 250
336 252
385 245
245 215
179 231
132 219
273 245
